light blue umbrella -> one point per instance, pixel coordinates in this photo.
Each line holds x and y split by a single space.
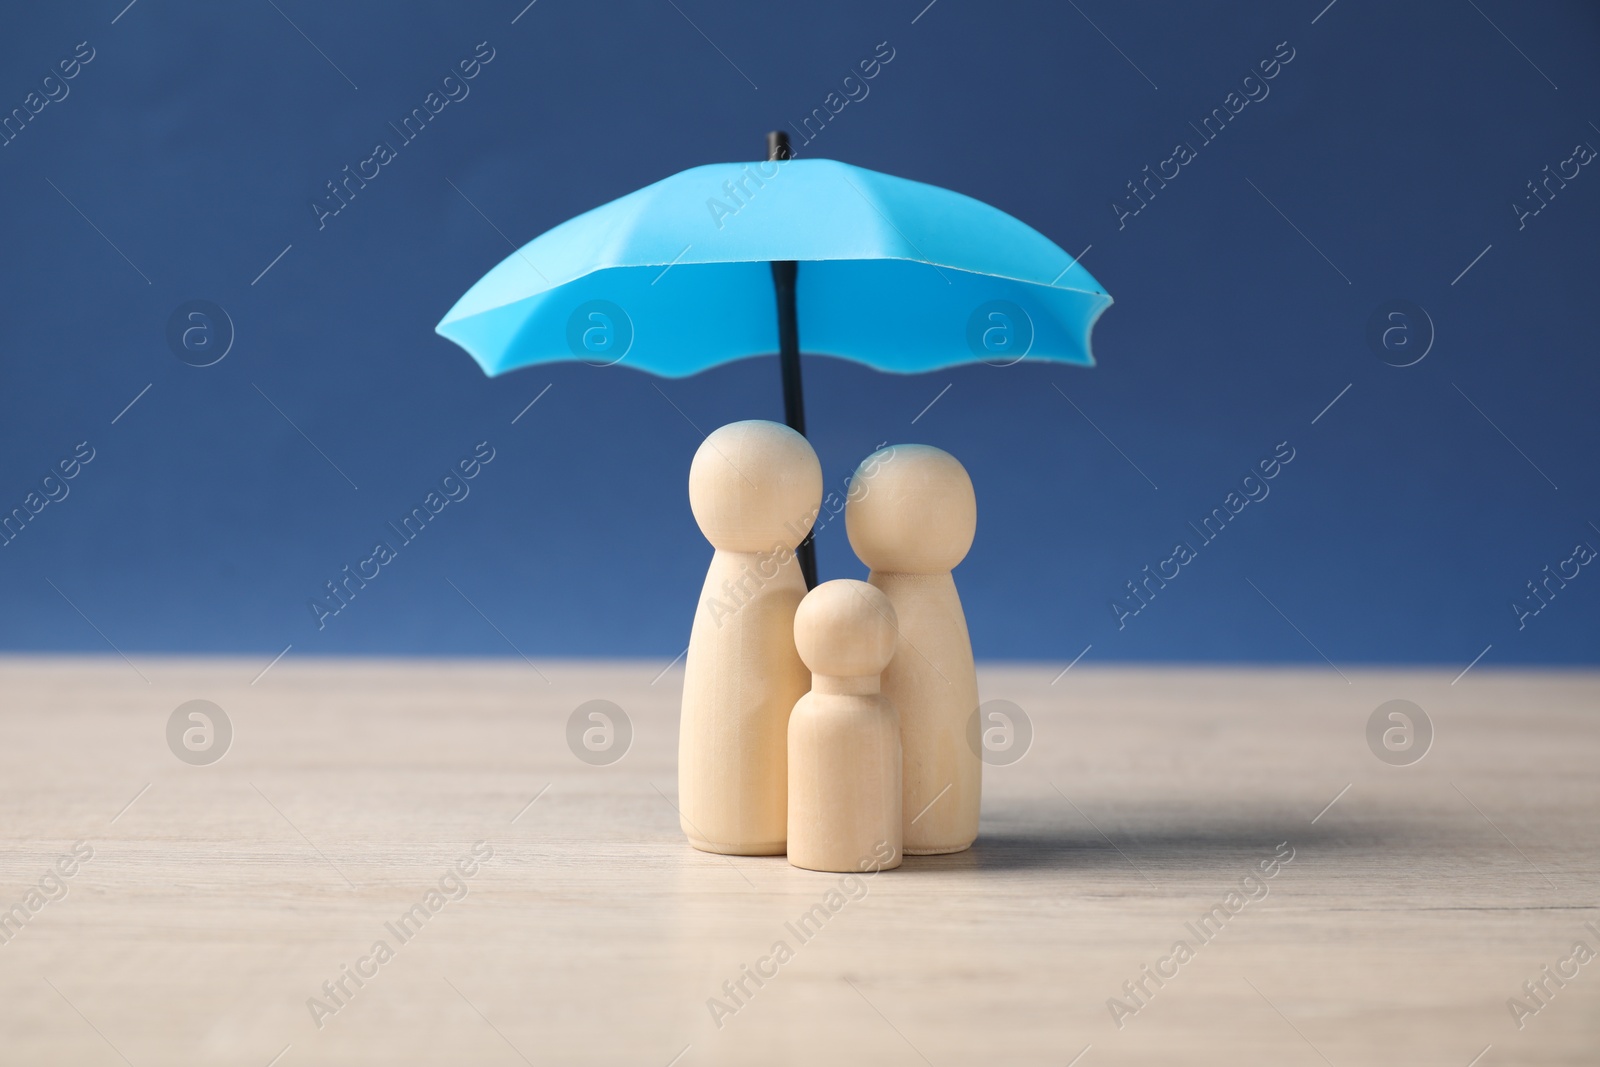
680 276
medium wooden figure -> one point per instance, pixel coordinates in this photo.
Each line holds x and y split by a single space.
844 737
911 518
755 488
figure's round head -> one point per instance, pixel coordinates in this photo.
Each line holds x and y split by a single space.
911 510
754 486
845 629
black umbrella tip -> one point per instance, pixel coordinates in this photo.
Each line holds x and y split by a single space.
778 146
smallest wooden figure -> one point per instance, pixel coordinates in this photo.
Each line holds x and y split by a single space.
844 735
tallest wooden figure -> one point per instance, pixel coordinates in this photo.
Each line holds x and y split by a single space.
755 489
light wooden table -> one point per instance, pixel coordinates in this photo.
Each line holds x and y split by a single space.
223 897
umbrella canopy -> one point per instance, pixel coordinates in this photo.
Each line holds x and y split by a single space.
676 277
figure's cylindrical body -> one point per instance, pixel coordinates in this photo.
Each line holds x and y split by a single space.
844 780
911 517
933 685
844 738
741 679
755 488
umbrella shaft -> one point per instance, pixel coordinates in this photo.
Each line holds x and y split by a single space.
794 407
794 404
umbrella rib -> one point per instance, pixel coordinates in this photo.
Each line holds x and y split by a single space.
498 230
897 229
703 436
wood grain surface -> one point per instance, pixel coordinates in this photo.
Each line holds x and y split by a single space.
219 899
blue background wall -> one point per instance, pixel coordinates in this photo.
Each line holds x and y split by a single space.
1396 140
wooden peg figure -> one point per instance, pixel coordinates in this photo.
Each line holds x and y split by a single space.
844 737
755 489
911 517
